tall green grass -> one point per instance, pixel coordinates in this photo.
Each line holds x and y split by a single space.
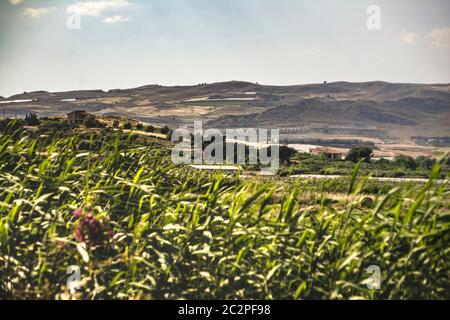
182 234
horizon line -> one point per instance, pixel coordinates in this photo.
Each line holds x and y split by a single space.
228 81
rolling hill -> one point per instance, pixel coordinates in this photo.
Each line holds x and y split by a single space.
368 110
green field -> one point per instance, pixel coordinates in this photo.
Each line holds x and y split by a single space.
139 227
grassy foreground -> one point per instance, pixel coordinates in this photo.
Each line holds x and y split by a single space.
139 227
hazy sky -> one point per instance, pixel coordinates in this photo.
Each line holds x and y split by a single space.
128 43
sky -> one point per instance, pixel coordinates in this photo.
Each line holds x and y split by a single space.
69 45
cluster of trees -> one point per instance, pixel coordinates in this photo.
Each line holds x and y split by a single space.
140 126
401 166
410 163
285 153
365 154
31 119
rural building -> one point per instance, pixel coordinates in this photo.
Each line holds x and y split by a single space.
77 116
330 153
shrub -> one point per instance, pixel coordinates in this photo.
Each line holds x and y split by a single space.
87 145
165 130
54 125
366 202
405 162
91 121
399 173
425 162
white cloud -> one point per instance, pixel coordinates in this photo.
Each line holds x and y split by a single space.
116 19
440 37
15 2
313 51
96 8
408 37
37 12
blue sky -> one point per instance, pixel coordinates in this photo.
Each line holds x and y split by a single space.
128 43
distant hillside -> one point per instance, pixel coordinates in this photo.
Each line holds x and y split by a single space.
376 109
377 91
404 112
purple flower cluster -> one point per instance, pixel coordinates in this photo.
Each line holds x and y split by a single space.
90 230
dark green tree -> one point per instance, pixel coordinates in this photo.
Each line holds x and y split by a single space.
286 153
360 153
